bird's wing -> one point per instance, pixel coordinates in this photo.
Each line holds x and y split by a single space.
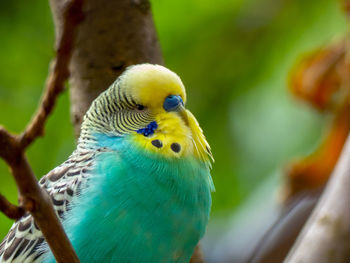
62 183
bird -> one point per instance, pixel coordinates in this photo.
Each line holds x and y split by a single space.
138 187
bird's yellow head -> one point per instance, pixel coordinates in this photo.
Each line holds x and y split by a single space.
147 102
152 84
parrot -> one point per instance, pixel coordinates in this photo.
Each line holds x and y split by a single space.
138 187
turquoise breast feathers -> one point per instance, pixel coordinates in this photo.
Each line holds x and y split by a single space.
144 208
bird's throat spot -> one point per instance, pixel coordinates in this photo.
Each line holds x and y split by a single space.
157 143
175 147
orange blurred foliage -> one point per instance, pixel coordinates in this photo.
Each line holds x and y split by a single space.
320 79
318 76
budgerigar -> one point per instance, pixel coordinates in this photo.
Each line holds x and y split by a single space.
138 186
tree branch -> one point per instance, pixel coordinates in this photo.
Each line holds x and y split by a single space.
197 256
326 236
59 72
111 38
32 197
10 210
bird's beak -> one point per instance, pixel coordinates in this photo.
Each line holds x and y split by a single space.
174 103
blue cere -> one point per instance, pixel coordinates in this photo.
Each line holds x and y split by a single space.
172 103
149 130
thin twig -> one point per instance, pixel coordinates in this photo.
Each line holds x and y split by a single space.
10 210
32 197
35 200
58 74
197 256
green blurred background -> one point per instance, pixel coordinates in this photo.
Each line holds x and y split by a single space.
233 56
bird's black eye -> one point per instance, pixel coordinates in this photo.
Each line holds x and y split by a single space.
140 107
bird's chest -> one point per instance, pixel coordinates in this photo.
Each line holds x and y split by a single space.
140 213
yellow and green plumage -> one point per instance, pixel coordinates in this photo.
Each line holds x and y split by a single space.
137 188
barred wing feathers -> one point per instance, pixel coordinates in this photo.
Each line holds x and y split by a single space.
62 183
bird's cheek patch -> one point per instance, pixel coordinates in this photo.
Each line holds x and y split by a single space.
149 129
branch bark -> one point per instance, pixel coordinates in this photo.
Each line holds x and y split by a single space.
326 236
32 198
197 256
10 210
113 35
